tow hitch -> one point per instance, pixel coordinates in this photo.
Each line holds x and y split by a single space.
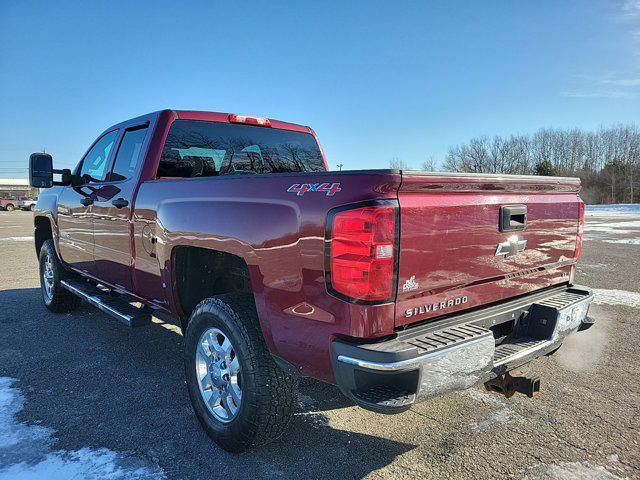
508 385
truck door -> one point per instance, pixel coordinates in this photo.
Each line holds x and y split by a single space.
113 208
75 224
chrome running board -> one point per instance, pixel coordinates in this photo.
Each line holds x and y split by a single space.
115 306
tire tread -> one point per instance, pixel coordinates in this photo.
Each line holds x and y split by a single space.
274 400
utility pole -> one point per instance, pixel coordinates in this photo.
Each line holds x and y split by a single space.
340 166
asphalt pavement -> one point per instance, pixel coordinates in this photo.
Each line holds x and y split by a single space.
81 394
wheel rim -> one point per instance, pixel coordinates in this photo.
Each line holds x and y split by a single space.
47 276
218 374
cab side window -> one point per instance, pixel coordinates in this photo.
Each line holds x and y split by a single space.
128 156
94 164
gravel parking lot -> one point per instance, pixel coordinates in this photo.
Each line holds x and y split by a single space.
82 395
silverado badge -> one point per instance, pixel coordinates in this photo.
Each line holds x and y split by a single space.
432 307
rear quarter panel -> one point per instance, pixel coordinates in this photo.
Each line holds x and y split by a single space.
280 235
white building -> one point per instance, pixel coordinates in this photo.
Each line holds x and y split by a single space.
16 187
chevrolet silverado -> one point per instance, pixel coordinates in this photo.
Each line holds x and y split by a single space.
395 286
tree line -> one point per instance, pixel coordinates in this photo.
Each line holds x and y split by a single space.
607 160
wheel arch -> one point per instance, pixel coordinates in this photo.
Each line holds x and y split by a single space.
42 231
199 273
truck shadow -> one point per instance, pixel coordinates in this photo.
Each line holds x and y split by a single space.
100 384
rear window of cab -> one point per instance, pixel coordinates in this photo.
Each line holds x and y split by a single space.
206 149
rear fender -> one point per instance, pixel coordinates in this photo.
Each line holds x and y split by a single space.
255 231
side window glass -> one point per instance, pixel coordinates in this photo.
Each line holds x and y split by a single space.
94 165
128 156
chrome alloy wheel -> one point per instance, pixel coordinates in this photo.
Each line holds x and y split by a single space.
218 374
47 277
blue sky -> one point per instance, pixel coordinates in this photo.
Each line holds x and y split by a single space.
376 80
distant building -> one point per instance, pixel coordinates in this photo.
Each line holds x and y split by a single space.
16 187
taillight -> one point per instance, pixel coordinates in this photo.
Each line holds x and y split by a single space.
249 120
362 253
580 231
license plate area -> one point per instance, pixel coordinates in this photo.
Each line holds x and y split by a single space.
557 317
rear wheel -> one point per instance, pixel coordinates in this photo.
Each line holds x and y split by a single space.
9 207
56 298
239 394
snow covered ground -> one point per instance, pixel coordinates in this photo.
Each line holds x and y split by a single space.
618 224
27 452
616 209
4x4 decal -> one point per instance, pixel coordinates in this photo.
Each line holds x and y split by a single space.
301 188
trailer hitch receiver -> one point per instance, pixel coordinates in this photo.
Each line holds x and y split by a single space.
508 385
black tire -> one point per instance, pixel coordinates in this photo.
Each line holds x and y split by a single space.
9 207
56 298
32 207
268 393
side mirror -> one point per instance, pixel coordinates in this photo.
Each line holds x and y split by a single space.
41 170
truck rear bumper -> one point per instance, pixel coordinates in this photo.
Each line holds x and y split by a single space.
458 352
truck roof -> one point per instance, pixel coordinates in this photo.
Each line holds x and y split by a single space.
224 118
209 117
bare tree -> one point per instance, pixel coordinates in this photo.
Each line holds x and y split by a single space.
429 165
607 160
397 164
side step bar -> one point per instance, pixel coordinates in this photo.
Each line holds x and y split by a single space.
116 307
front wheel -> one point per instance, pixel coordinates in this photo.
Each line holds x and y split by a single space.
56 298
240 396
32 207
10 208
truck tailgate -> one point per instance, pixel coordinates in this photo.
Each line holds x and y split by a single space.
456 255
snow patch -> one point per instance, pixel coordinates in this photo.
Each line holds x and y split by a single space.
484 397
16 239
86 464
596 229
593 265
500 417
616 297
635 224
319 419
613 210
25 451
612 226
503 415
626 241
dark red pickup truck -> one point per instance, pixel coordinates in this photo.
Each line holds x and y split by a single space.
394 285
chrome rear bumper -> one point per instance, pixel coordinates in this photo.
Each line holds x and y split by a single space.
388 377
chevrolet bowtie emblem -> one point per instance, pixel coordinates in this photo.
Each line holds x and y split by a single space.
511 247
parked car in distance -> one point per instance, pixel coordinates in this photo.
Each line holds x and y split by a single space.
28 203
9 203
395 286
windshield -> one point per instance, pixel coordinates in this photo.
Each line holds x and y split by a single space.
205 149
